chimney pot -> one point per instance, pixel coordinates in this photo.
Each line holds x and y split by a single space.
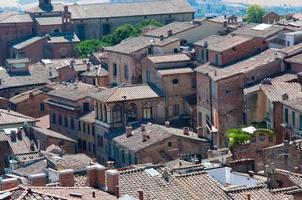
143 127
167 124
129 131
93 194
110 164
140 195
170 33
249 196
186 131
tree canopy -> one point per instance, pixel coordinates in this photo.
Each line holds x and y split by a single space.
122 32
236 136
254 14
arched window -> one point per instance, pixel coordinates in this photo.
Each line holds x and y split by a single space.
147 110
117 114
132 112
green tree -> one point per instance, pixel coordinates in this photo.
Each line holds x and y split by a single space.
236 136
147 22
254 14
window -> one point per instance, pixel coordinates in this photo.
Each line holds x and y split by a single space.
86 107
216 59
106 28
93 130
148 76
89 146
147 110
176 109
54 118
169 144
150 51
193 82
202 54
42 107
66 122
72 124
99 140
88 128
227 92
293 119
175 81
79 143
286 115
84 145
132 112
94 149
207 55
84 128
79 126
114 69
126 72
60 120
117 114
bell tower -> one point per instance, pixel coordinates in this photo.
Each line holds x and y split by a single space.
44 3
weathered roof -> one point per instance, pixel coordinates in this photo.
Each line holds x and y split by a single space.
69 161
96 71
89 118
74 91
249 30
145 8
51 133
37 75
134 44
247 65
11 117
156 133
188 186
176 27
28 42
25 96
11 17
276 90
36 167
261 192
166 72
181 57
297 59
131 92
222 43
63 38
46 21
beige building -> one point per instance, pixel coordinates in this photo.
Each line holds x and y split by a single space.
124 59
174 76
153 143
117 107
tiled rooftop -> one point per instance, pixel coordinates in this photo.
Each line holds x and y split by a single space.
297 59
74 92
95 72
27 42
11 117
169 58
88 11
25 96
135 44
64 38
156 133
266 33
53 134
176 27
166 72
49 21
223 43
133 92
12 17
89 118
37 75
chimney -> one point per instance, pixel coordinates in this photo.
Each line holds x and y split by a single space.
96 176
170 33
186 130
199 132
113 181
110 164
13 135
140 195
31 94
88 66
297 170
32 145
167 124
251 173
249 196
66 178
285 97
161 37
145 138
143 128
37 180
19 134
9 183
129 131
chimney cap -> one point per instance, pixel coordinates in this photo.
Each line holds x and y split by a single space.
66 171
9 180
112 172
35 176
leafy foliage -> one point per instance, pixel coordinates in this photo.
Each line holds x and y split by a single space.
122 32
254 14
236 136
